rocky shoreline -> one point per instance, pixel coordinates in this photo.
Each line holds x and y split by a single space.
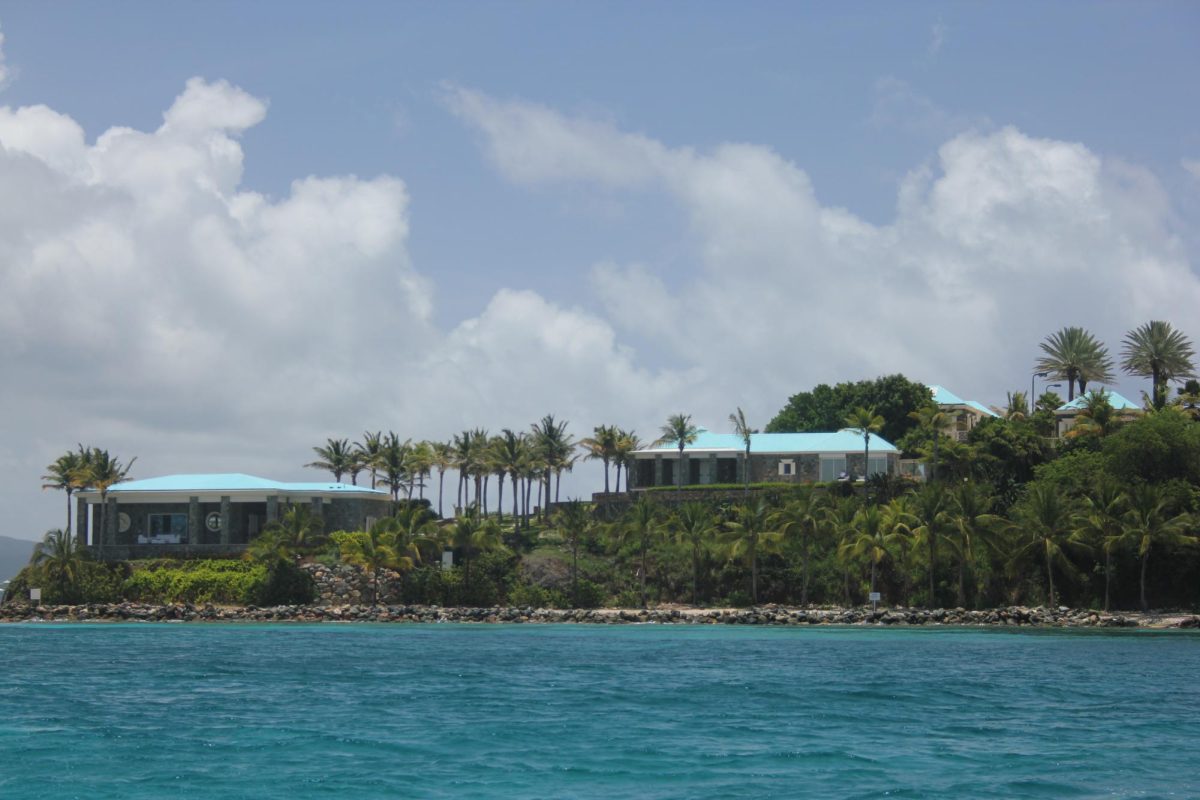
1013 616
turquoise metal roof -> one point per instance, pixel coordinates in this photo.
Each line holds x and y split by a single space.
232 482
843 441
1115 400
944 397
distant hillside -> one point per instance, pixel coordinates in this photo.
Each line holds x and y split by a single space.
14 554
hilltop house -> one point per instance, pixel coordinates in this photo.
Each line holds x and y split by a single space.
774 457
965 414
212 513
1066 415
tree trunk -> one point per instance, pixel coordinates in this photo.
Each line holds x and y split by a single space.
695 573
932 566
1050 578
483 506
643 576
557 484
575 571
68 529
962 579
804 571
605 460
1107 575
515 491
441 486
618 486
1142 582
500 498
874 569
754 574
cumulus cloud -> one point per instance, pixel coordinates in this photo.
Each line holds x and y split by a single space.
897 105
1005 238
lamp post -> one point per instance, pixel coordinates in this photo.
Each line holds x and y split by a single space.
1032 391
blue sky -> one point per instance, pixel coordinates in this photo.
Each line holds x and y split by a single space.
609 211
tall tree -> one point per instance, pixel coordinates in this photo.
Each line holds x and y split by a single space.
868 538
335 457
393 463
743 429
553 445
931 513
1102 514
628 443
602 446
893 397
573 522
932 421
62 556
680 432
443 460
1075 356
800 521
748 533
105 471
972 523
1159 352
642 525
370 452
373 551
68 473
1150 525
694 524
470 536
864 422
1046 518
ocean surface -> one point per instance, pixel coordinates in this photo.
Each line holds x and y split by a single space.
495 711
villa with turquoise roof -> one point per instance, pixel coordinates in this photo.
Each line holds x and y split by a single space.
1066 414
212 513
774 457
965 414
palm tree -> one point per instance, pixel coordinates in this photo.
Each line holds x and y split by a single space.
641 523
68 473
1018 406
971 522
749 532
375 550
1075 356
1103 509
573 521
680 432
743 429
1097 417
1147 523
443 460
420 464
62 557
553 445
470 535
1159 352
898 524
801 520
867 537
694 525
931 419
864 422
369 453
627 444
335 457
103 472
839 522
929 509
393 463
601 446
511 454
1046 518
298 531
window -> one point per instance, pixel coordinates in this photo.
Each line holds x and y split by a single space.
726 470
877 465
787 467
832 468
693 471
668 473
645 473
165 529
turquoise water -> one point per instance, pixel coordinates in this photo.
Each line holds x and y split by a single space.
362 711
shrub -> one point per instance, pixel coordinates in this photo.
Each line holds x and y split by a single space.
533 596
204 581
285 584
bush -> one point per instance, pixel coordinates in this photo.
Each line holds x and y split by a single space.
285 584
97 583
205 581
532 596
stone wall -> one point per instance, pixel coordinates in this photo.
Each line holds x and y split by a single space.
345 584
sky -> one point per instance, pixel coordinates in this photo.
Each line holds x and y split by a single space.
231 231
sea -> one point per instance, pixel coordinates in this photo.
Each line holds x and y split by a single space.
562 711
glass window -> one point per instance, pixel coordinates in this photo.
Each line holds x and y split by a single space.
833 468
877 465
166 528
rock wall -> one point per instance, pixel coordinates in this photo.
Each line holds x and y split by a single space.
348 585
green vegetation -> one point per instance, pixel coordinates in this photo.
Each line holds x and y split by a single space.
825 408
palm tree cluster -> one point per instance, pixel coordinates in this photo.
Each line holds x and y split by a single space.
86 468
528 462
1155 350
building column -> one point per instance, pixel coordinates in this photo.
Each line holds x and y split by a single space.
316 503
272 508
110 522
81 521
226 515
658 471
195 530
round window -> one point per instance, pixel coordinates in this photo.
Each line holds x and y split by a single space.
213 521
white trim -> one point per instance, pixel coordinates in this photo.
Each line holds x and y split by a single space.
128 497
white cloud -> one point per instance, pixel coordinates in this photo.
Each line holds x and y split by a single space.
1191 166
898 105
1005 239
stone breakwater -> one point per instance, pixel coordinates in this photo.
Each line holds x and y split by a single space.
765 615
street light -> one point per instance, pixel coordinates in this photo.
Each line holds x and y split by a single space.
1032 392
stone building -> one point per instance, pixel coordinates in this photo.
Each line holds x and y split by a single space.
964 414
774 457
221 513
